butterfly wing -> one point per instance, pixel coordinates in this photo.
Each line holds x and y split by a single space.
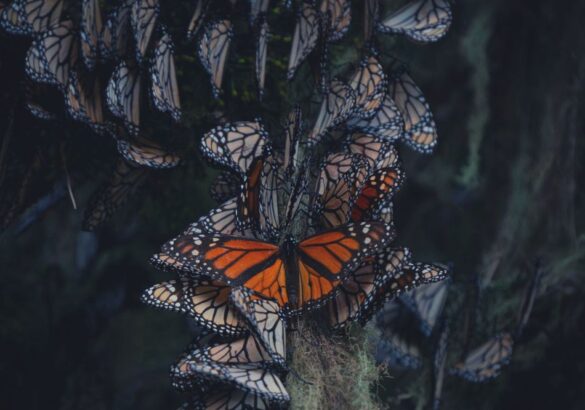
164 89
197 19
305 37
337 16
246 377
326 259
386 124
337 105
213 50
84 102
143 16
377 152
234 260
168 295
340 177
123 95
116 36
143 152
419 125
53 55
225 398
424 21
379 188
397 351
362 292
91 29
369 84
428 301
266 322
236 145
486 361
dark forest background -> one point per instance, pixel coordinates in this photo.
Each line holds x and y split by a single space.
502 191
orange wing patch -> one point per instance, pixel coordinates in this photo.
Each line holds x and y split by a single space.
236 256
313 286
271 282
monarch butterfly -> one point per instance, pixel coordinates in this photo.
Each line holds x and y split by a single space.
125 180
397 351
228 399
258 8
196 22
265 321
427 302
123 95
181 376
219 220
369 83
27 17
91 30
272 183
236 145
53 55
337 13
387 122
143 16
371 15
359 295
304 39
246 377
421 132
393 281
439 360
245 350
379 188
293 129
116 36
164 89
422 20
226 185
143 152
486 361
335 108
298 276
213 49
377 152
261 52
84 100
338 181
166 295
205 301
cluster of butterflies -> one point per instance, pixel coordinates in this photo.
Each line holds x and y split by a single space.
73 59
303 230
417 323
99 65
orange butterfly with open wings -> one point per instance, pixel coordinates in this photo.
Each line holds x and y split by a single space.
297 275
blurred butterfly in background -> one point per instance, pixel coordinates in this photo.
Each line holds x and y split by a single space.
424 21
486 361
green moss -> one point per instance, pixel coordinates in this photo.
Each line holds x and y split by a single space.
338 372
